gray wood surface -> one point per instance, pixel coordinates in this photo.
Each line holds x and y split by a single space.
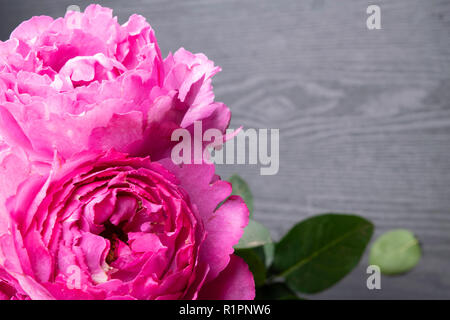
364 116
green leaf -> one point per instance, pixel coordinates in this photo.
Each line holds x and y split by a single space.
255 235
269 252
318 252
241 188
275 291
395 252
255 264
266 253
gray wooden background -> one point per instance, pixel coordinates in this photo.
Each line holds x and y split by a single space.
364 116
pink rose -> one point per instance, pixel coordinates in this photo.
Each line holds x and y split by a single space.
86 82
109 226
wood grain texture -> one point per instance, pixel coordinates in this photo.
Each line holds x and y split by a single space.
364 116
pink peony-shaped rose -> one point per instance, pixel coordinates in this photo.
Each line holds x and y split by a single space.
110 226
86 82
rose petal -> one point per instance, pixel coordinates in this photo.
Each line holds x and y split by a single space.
234 283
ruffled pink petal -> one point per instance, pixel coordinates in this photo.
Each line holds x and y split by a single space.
224 226
14 168
234 283
11 131
123 133
29 31
95 249
10 288
41 260
224 230
32 288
